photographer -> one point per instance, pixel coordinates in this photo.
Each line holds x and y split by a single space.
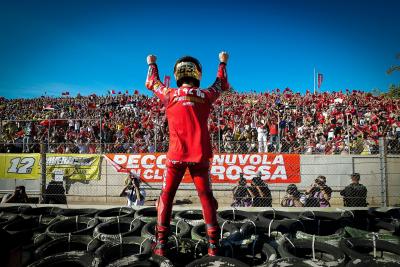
293 198
135 195
355 194
19 196
241 194
319 194
260 192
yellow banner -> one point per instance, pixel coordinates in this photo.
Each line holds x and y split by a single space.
73 166
20 166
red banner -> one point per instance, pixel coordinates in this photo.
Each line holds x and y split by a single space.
320 79
224 168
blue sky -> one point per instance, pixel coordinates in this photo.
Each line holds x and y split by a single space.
94 46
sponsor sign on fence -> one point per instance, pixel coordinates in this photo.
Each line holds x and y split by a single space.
73 166
224 168
20 166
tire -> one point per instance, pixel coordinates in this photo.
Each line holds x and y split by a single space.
236 217
147 215
192 217
46 215
358 248
275 220
185 250
289 262
7 218
69 213
130 246
217 261
198 232
65 244
142 261
328 254
24 229
17 209
357 233
73 258
328 239
117 228
148 230
72 226
324 223
256 252
110 214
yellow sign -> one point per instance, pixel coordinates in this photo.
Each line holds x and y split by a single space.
20 166
73 166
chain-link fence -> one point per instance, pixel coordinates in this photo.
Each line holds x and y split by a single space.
67 152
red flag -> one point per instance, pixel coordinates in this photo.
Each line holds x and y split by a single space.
136 92
113 92
320 79
167 80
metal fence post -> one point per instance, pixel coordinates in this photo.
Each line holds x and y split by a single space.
43 169
383 171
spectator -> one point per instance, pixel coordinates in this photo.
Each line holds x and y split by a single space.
241 194
260 193
293 198
135 195
19 196
355 194
319 194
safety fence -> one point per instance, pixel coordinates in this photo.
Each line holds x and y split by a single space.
269 178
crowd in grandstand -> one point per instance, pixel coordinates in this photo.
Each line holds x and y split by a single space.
278 121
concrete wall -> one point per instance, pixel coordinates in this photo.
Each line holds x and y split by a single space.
337 169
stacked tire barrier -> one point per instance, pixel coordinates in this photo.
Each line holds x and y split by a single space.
50 236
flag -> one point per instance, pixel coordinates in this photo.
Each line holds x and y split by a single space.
66 93
320 79
119 92
167 80
113 92
136 92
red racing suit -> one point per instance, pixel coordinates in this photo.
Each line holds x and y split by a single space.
187 110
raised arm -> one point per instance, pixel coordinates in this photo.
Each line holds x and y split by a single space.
221 83
153 82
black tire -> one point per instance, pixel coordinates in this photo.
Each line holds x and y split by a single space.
333 239
148 230
117 228
74 226
69 213
7 218
192 217
147 215
236 217
24 229
330 255
66 244
110 214
324 223
17 209
46 215
73 258
198 232
276 220
217 261
289 262
130 246
360 249
255 252
141 261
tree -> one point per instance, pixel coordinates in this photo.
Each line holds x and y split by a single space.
395 67
394 91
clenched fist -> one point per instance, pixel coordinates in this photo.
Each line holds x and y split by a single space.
223 57
151 59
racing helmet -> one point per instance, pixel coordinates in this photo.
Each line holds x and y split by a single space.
187 69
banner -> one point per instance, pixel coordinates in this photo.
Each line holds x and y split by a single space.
73 166
20 166
224 168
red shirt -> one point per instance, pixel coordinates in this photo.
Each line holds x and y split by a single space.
187 111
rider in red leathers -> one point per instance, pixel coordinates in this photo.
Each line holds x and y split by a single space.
187 111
